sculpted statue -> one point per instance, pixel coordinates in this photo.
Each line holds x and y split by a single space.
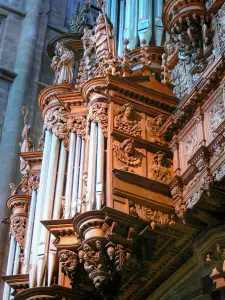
153 127
62 64
104 40
127 154
159 169
125 121
27 144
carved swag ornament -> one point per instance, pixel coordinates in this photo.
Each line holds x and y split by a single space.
126 121
127 154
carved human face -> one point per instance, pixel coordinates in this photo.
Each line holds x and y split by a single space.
161 159
128 111
129 149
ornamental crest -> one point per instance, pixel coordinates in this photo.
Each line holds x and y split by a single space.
126 121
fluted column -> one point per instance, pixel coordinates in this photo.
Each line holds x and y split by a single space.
69 179
48 207
29 232
131 16
90 196
57 208
100 170
145 20
75 176
9 270
39 206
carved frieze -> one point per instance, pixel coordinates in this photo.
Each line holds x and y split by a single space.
128 121
217 116
128 155
159 169
99 114
153 127
154 217
77 124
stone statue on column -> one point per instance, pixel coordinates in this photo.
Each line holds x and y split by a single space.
62 64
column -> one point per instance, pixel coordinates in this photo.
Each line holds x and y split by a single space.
131 17
69 178
47 210
90 196
16 260
9 269
57 208
29 233
145 20
75 176
13 123
100 170
80 184
39 206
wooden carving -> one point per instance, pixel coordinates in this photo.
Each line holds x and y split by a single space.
78 125
99 114
159 169
127 122
127 154
153 127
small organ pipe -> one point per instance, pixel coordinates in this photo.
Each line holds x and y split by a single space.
100 170
80 185
75 176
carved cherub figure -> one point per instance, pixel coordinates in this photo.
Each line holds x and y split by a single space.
159 170
153 127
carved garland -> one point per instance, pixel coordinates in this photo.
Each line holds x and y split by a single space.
99 114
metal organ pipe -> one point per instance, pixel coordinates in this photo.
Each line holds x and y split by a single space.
158 27
39 206
29 233
75 176
17 260
100 170
69 179
121 27
90 196
130 31
80 184
48 207
145 20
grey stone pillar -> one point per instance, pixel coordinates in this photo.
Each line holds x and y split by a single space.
18 95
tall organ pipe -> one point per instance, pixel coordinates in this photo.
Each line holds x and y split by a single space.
80 185
144 20
29 232
39 206
9 270
16 260
90 196
75 177
121 27
48 207
57 208
131 23
69 179
100 170
158 22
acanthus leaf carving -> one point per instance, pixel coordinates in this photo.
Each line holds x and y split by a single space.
127 121
99 114
69 263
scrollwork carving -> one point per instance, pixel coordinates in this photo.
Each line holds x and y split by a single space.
217 116
69 262
127 122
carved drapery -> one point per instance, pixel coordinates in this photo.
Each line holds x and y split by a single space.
99 115
127 120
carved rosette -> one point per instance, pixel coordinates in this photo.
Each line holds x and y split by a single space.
99 115
56 120
18 206
155 218
77 125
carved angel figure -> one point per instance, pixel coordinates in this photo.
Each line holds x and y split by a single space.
153 127
127 154
62 64
125 121
159 170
